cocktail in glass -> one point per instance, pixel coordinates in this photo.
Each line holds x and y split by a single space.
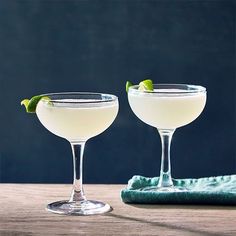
167 107
77 117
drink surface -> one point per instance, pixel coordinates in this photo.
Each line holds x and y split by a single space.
167 108
76 120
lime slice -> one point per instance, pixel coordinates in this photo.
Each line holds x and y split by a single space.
30 105
128 84
25 102
146 85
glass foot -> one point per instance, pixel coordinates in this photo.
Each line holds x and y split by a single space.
87 207
165 189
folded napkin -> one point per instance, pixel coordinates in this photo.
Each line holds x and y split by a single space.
220 190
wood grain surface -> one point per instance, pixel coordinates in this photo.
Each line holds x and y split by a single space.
22 212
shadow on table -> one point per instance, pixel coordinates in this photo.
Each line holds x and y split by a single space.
169 225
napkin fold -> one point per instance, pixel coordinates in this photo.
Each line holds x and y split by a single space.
220 190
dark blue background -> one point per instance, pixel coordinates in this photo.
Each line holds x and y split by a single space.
53 46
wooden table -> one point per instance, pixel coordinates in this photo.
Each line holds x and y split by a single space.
22 212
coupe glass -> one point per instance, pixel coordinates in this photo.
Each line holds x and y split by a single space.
167 107
77 117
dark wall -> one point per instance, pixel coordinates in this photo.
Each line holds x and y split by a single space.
52 46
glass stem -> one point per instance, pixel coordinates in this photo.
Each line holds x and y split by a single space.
77 191
165 180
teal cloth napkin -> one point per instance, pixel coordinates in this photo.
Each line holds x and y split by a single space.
220 190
